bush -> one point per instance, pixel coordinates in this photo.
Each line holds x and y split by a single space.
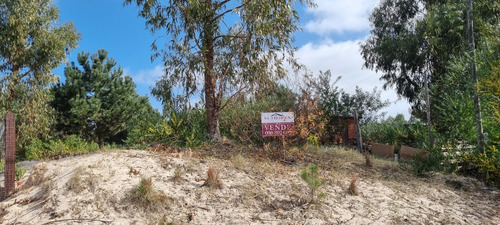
19 171
485 166
396 131
421 166
71 145
182 128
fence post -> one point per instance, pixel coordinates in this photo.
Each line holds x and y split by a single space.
358 132
10 153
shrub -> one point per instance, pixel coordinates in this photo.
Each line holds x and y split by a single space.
146 197
185 128
19 172
421 166
310 176
71 145
485 166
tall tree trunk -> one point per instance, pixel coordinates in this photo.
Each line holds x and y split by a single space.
477 104
212 103
428 107
100 140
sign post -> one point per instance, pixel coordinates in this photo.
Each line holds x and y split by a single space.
276 124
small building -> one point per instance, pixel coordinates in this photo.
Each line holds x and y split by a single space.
344 130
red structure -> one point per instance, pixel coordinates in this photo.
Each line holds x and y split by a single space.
345 131
10 153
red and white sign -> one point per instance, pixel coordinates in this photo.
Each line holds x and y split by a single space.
277 124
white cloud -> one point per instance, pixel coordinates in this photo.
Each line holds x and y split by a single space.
344 59
340 16
146 77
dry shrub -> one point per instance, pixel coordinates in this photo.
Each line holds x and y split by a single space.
147 198
368 162
353 189
37 175
239 162
213 179
75 182
82 180
179 171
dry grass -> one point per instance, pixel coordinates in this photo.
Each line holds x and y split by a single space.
75 183
37 175
82 180
353 188
145 197
239 162
178 172
213 178
368 162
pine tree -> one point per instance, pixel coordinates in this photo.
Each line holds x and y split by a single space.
98 101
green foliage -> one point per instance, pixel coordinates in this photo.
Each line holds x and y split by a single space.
336 102
421 166
485 166
33 43
311 177
71 145
184 128
241 121
313 140
396 131
19 171
229 56
96 102
129 137
148 199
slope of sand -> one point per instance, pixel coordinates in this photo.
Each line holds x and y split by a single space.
96 189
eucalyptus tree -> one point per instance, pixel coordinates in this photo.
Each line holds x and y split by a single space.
32 44
415 39
220 47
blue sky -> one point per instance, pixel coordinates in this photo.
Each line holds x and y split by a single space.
329 40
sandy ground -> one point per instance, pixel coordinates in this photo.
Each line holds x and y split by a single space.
96 189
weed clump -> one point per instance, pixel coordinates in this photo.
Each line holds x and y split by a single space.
213 179
310 176
353 189
144 196
82 180
179 171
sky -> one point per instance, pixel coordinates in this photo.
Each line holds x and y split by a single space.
330 40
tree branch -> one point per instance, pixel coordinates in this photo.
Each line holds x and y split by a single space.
228 11
232 96
231 36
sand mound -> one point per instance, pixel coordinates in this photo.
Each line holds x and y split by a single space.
112 188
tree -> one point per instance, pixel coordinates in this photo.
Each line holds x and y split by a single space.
97 101
416 39
335 102
33 43
224 46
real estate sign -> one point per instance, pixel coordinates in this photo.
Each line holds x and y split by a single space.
277 124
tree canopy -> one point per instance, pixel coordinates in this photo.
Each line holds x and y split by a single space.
32 44
220 47
97 101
